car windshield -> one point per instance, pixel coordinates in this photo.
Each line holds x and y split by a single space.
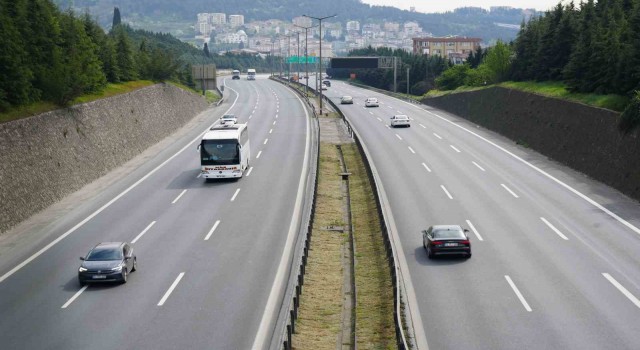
402 117
99 254
228 116
448 234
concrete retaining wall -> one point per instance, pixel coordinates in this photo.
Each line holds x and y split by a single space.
46 157
582 137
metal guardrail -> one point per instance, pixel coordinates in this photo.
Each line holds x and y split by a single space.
401 339
285 326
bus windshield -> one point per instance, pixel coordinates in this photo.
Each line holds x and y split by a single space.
219 152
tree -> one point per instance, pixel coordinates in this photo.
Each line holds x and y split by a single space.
576 71
206 50
81 71
124 55
453 77
498 61
116 18
15 85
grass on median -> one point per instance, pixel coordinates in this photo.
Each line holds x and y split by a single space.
320 315
375 327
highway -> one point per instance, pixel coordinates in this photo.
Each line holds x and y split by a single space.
208 253
556 255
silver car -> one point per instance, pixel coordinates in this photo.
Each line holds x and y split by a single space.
371 102
228 118
346 100
400 120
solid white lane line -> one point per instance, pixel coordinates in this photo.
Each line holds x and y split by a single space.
509 190
265 141
143 232
426 167
379 119
178 198
473 228
445 191
173 286
249 172
554 229
74 297
424 127
206 238
235 195
622 289
108 204
259 153
479 167
270 131
438 136
398 136
515 289
412 151
454 148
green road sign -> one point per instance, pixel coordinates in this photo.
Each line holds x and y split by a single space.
301 59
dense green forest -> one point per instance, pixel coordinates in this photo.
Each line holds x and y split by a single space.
470 21
53 55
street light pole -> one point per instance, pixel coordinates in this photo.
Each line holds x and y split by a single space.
306 55
320 65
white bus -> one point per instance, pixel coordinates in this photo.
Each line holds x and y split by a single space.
251 74
225 152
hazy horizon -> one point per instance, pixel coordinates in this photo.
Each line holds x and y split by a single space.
429 7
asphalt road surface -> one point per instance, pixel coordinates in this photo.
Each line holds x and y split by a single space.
556 255
208 253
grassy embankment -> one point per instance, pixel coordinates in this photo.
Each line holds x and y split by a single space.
552 89
320 315
109 91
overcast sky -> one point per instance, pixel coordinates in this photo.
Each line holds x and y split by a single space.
441 6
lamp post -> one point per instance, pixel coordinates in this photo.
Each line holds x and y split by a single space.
320 65
306 55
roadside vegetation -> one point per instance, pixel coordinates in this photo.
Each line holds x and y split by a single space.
319 323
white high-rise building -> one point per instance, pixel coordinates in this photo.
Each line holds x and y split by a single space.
218 19
353 25
236 20
303 21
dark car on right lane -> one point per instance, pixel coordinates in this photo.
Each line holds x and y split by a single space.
446 240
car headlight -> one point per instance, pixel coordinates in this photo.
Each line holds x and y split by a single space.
117 269
82 269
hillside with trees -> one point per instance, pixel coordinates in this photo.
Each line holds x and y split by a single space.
469 21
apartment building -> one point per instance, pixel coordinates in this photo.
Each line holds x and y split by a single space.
236 20
453 48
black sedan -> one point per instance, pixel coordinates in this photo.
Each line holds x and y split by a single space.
108 262
446 240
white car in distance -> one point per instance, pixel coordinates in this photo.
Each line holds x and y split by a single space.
400 120
371 102
228 119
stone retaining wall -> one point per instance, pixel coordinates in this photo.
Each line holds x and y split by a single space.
581 137
46 157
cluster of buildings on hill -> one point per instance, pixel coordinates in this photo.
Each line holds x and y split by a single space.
281 38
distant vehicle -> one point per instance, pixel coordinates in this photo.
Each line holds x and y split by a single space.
446 240
251 74
323 87
346 100
371 102
327 83
228 118
400 120
225 152
108 262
